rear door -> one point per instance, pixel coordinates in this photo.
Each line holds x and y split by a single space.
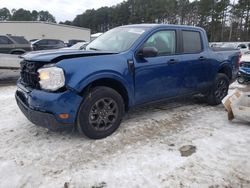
195 58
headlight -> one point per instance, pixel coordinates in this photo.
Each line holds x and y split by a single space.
51 78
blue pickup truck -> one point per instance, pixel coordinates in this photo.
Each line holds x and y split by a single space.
125 67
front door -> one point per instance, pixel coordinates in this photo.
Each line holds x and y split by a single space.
158 77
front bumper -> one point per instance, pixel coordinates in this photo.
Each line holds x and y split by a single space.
43 108
43 119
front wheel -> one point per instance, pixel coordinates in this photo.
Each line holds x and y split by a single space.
219 89
101 113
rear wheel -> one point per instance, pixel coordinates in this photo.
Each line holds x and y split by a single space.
219 89
101 113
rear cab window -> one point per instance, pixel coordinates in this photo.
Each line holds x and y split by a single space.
192 42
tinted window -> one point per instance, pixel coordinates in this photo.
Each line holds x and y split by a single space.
242 46
20 40
163 41
53 42
191 42
5 40
61 43
42 42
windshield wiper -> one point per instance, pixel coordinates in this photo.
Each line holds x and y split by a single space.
95 49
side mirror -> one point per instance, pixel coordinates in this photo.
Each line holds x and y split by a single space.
148 52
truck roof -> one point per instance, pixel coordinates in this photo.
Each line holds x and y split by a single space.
162 25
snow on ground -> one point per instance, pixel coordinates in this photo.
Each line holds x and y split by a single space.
9 60
144 151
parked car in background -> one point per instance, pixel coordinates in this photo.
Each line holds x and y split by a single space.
215 44
33 40
126 67
243 47
47 44
79 46
73 42
14 44
244 72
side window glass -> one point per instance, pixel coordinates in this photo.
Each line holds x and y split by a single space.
42 42
52 42
5 40
191 42
163 41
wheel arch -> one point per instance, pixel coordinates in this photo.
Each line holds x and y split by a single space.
226 69
113 83
17 50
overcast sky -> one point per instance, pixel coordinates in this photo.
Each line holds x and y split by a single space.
61 9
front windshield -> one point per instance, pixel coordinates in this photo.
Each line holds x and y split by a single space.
118 40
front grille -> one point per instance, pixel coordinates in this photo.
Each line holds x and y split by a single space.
29 75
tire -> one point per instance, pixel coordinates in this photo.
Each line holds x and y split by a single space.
240 80
101 113
219 89
17 53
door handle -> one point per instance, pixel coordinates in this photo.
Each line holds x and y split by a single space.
172 61
202 58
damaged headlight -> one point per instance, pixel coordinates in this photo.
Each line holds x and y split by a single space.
51 78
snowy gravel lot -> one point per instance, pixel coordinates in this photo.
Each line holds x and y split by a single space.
144 151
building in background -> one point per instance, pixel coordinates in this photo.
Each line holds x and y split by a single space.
44 30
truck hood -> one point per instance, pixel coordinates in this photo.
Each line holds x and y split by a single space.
57 55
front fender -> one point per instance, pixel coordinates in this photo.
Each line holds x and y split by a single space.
80 72
81 84
100 75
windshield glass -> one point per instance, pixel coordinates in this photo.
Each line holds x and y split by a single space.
118 40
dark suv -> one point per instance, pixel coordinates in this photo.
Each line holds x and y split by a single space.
14 44
47 44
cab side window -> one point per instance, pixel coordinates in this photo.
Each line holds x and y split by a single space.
163 41
191 42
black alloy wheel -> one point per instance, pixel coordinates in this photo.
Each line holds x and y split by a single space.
100 113
219 89
103 114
